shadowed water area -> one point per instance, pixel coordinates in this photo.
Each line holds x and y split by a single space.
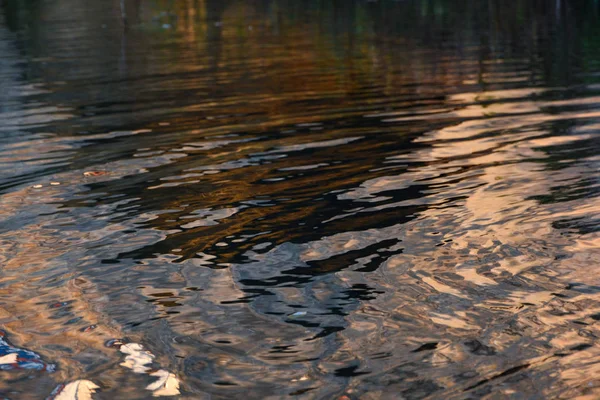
301 199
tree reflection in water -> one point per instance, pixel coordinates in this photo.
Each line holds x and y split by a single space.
317 198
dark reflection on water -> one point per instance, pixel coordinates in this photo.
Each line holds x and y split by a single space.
388 199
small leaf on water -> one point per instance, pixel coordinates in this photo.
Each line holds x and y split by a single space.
78 390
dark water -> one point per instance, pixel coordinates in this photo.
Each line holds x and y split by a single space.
301 199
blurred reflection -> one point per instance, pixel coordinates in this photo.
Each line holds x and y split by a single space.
318 199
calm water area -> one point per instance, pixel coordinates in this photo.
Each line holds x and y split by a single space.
307 199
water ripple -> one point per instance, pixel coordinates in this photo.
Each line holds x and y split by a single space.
273 198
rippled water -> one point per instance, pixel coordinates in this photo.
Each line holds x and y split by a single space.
309 199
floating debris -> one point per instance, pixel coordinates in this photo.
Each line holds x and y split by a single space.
13 358
139 361
94 173
298 314
54 183
38 186
301 379
88 328
78 390
166 385
114 343
59 304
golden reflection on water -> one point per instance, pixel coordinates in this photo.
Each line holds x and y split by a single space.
278 199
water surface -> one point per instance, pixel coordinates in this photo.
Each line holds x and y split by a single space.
302 199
